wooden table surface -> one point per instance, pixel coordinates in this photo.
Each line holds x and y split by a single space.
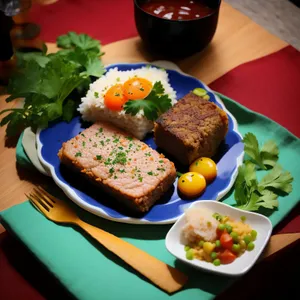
237 40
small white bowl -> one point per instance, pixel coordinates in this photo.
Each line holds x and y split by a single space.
243 263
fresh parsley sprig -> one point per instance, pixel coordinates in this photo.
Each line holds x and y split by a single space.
266 157
153 105
251 194
52 84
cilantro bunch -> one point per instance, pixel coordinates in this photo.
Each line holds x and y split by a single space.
251 194
153 105
52 84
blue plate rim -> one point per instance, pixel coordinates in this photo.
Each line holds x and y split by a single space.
70 193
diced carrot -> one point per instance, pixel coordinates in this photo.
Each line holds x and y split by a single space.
151 158
226 240
144 147
227 257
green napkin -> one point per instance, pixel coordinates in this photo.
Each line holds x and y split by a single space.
90 272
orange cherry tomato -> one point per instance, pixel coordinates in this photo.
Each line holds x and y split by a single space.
227 257
137 88
226 240
115 98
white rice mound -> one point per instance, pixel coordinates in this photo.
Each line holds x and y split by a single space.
93 109
199 225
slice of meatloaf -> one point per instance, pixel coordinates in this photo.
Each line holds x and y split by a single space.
123 166
192 128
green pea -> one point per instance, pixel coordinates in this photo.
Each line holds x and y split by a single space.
213 255
250 246
221 227
247 239
218 243
243 218
236 247
201 244
253 234
200 92
216 262
187 248
189 254
234 236
228 228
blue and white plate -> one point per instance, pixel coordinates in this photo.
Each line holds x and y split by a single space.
170 207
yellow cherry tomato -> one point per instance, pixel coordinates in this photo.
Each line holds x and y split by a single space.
137 88
206 167
115 98
191 184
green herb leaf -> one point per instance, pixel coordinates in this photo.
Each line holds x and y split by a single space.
251 148
134 106
269 153
251 195
46 82
277 179
153 105
268 200
82 41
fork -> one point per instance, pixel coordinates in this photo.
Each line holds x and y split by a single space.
161 274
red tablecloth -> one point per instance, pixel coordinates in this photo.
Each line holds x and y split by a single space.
269 85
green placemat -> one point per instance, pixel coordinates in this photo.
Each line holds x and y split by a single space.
90 272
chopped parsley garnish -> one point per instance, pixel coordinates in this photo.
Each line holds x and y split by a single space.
90 140
102 143
129 138
78 154
121 148
82 135
140 178
130 146
161 169
107 140
116 140
83 144
161 161
115 177
96 94
111 170
122 171
108 161
142 89
150 173
100 129
148 154
117 94
99 157
120 158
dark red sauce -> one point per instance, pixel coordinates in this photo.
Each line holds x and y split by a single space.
177 9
